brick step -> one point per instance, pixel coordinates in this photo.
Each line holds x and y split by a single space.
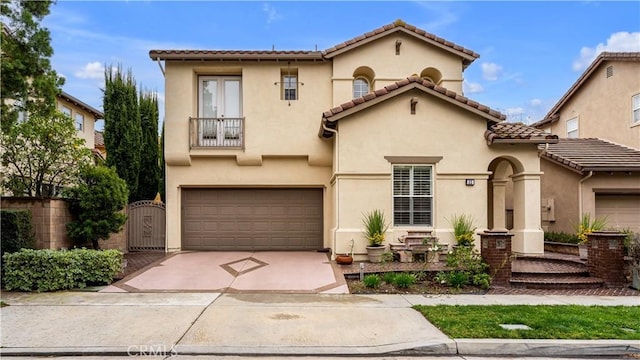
545 267
556 282
554 274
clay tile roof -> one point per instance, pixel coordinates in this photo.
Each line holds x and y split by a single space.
517 133
400 25
552 115
331 117
234 55
98 137
583 155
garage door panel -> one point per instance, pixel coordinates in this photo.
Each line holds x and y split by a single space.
252 219
621 211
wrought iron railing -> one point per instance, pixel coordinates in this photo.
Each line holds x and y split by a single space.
217 132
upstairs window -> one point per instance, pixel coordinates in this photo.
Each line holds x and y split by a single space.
572 128
65 110
289 84
360 87
635 100
413 195
79 122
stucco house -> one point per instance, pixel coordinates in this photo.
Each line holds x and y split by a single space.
84 116
595 167
285 150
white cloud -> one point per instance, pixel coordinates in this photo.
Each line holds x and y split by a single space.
472 88
491 71
93 70
535 102
272 13
441 13
618 42
514 111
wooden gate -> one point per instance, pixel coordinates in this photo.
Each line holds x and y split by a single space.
146 226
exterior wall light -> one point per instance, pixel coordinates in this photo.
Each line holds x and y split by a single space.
469 182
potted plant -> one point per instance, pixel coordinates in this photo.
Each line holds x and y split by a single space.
463 229
346 259
375 226
585 227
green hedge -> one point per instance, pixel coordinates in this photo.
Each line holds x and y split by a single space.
561 237
51 270
17 231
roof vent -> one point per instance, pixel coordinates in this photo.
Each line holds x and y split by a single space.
609 71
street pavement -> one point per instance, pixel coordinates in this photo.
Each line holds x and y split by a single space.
268 324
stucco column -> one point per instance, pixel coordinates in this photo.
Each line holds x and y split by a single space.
499 207
528 236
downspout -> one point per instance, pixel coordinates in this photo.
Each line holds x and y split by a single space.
580 192
337 208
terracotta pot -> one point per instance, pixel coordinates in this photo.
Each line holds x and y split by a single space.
344 259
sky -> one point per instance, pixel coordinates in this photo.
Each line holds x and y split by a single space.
530 52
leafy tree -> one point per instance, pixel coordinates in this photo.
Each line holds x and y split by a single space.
28 82
149 176
42 153
96 204
122 131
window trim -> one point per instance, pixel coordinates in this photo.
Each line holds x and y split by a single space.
432 195
577 129
634 109
286 85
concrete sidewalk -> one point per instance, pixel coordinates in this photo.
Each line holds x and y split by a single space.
80 323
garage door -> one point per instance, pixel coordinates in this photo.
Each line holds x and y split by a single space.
622 211
252 219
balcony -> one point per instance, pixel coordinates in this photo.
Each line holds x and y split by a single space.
216 132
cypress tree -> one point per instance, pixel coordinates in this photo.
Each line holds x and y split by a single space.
122 131
149 176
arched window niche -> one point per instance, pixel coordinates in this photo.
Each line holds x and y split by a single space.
431 74
362 81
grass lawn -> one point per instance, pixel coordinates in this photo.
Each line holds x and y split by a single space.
545 321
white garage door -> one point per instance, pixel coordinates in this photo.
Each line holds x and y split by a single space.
622 211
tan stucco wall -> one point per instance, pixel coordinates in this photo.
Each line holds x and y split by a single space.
603 106
439 129
272 126
561 185
87 132
388 67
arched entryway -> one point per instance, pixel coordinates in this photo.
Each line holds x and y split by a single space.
512 187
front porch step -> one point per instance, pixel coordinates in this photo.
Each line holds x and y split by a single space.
555 282
544 267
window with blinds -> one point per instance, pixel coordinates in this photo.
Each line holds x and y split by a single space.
413 195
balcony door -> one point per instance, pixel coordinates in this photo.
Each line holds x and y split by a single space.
220 111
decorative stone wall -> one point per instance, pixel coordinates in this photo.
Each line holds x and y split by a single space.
50 218
606 257
495 248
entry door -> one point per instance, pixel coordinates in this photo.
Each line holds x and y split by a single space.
220 111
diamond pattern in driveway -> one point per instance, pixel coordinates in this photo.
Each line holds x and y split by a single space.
246 272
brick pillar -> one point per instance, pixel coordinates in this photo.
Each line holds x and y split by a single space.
496 251
606 256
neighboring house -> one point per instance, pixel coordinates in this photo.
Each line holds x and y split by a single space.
84 116
595 168
285 150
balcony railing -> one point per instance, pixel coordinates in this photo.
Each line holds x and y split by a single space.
217 132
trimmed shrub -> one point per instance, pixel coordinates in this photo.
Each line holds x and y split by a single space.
561 237
17 231
388 277
51 270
